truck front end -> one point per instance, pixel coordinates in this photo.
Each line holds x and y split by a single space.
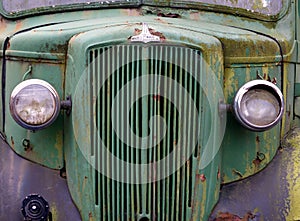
145 107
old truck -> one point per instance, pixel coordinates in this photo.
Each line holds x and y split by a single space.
149 110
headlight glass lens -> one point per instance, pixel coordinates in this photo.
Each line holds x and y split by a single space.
259 107
34 104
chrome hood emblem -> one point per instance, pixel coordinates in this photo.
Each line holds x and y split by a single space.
145 36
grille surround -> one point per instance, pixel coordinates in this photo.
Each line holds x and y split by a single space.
186 193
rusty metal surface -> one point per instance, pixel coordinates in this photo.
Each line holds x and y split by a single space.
271 195
20 178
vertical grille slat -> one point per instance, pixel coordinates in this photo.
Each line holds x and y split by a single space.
157 73
166 143
103 125
170 144
134 128
151 189
114 89
182 183
122 131
181 139
137 152
108 136
110 69
129 73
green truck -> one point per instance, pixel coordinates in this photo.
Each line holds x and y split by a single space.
149 110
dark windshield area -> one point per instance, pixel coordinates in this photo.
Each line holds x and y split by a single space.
266 7
12 6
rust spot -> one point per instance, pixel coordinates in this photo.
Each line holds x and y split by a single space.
152 31
259 158
231 217
274 80
195 16
265 76
90 216
161 21
257 139
280 149
131 12
218 174
3 26
12 142
63 173
256 162
168 15
201 177
159 34
156 97
19 26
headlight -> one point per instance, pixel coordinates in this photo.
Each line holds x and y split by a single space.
34 104
258 105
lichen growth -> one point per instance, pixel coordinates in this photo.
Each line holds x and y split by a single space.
292 140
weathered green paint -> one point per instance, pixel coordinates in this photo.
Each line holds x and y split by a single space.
272 194
239 143
238 48
297 89
40 141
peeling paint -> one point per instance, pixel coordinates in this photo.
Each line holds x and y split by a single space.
230 84
293 175
54 211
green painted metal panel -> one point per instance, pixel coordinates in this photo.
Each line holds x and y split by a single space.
247 152
45 146
297 89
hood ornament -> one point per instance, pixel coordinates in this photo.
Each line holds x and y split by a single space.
145 36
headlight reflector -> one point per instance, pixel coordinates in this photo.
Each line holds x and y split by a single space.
34 104
258 105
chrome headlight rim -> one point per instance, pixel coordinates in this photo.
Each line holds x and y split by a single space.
263 85
23 85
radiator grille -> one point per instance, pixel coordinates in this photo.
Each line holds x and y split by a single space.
110 69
